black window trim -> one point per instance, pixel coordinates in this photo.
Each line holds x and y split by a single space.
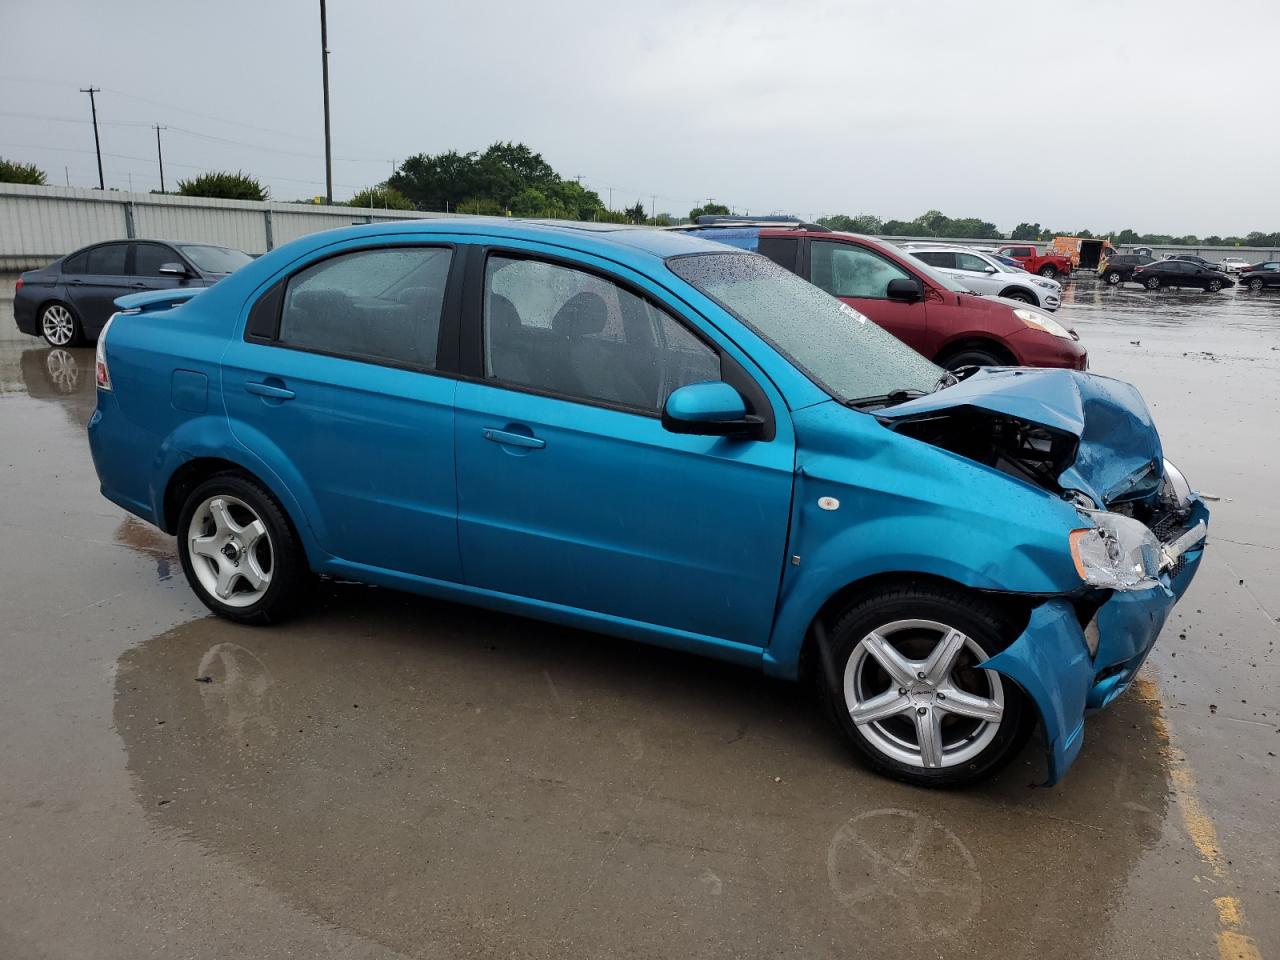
471 365
446 338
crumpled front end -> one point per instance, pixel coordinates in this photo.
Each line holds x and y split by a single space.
1077 654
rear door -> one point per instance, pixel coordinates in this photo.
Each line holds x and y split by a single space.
105 277
335 385
572 494
860 277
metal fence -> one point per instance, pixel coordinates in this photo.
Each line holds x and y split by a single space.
40 224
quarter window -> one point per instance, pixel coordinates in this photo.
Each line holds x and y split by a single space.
369 305
106 261
577 335
848 270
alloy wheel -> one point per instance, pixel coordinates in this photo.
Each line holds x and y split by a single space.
231 552
57 325
918 693
1255 284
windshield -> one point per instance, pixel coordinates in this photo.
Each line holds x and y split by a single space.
834 345
210 259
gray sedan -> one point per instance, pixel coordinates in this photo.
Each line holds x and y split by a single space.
69 301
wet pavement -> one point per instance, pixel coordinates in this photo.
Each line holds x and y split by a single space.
393 776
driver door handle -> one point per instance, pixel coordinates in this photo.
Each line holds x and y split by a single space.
509 439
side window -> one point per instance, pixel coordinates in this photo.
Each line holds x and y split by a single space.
967 261
74 266
580 336
784 251
369 305
848 270
107 260
147 258
937 258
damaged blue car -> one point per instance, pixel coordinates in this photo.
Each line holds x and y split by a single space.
654 436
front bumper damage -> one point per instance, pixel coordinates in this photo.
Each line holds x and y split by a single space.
1051 659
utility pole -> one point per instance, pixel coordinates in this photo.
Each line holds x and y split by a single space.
324 73
653 207
93 107
160 155
611 199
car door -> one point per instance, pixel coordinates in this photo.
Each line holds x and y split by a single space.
572 494
335 386
146 262
105 277
860 277
978 274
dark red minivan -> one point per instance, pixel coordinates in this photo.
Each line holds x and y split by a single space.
933 313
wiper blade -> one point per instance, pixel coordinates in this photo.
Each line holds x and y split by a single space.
888 399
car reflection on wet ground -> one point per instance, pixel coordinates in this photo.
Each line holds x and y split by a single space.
395 776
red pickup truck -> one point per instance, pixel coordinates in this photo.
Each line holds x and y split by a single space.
1029 258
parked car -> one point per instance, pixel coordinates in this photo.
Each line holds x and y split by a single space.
1030 259
1192 258
1180 273
1261 275
656 436
1119 267
1233 264
69 301
924 308
982 273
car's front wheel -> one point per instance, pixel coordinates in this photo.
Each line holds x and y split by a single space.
1214 286
59 326
1113 277
1256 284
908 688
1153 283
1022 296
239 551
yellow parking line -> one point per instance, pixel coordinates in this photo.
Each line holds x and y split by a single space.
1233 943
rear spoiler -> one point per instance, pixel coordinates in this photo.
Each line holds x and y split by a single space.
156 299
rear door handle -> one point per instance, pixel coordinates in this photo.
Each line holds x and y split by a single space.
139 285
509 439
269 390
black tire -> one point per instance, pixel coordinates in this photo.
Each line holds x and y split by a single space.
977 356
52 323
1022 296
1213 286
1049 271
1113 277
1256 284
289 574
1152 283
950 607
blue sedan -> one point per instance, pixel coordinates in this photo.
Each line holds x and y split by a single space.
655 436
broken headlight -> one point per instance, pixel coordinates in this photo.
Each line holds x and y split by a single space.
1037 320
1118 552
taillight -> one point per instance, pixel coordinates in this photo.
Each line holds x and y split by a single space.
100 372
17 286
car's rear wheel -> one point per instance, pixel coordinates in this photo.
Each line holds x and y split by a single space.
1113 277
239 551
1153 283
1256 284
1022 296
1049 271
1214 286
59 326
907 686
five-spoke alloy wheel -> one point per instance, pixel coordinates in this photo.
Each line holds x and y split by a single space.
239 551
910 688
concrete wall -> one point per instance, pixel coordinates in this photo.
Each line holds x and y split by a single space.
39 224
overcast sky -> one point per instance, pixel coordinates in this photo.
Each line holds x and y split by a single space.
1156 116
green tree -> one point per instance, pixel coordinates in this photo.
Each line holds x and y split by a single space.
662 220
14 172
635 214
224 186
1026 231
381 197
862 223
710 210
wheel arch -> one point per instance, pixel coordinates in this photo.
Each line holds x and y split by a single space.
1025 291
972 341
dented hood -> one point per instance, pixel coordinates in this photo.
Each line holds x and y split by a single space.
1116 455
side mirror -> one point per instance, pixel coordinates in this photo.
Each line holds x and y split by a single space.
905 289
712 408
173 270
988 269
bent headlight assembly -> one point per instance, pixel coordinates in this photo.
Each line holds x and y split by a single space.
1118 553
1043 322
